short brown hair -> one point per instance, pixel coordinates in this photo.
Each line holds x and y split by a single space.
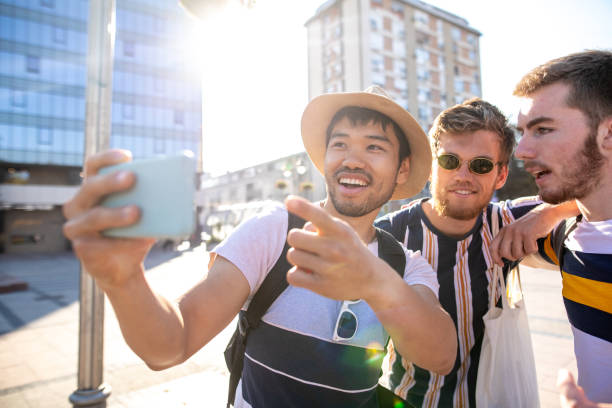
471 116
589 76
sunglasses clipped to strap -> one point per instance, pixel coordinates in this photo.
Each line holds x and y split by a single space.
346 324
477 165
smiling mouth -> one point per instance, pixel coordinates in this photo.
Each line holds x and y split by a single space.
351 182
463 192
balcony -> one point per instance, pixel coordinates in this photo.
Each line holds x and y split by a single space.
33 196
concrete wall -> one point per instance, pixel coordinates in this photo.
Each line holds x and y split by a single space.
29 232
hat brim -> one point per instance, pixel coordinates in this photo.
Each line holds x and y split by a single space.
320 111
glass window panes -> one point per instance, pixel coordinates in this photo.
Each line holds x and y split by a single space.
18 98
33 64
128 48
44 137
59 35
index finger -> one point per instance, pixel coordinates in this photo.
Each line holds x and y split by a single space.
106 158
312 212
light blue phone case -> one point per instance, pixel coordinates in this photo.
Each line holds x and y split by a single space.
164 191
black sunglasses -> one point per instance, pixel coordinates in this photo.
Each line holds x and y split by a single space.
477 165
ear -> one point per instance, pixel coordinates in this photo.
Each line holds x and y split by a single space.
502 176
403 172
604 135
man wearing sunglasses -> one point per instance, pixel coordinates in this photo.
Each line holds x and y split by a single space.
471 143
322 341
566 144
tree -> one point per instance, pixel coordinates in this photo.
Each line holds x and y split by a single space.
519 183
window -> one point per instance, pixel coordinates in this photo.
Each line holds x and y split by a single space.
128 48
474 89
456 33
44 137
338 32
456 70
423 95
158 84
373 24
421 17
399 48
458 86
422 56
33 64
422 74
127 111
398 7
18 98
59 35
378 64
376 41
179 117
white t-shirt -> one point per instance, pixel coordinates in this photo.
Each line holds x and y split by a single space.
300 319
256 244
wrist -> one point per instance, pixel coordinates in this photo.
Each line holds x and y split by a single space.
383 287
122 283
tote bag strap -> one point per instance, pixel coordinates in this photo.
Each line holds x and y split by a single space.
498 274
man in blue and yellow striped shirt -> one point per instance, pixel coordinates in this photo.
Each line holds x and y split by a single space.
566 144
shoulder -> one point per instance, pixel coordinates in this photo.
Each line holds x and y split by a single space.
510 210
397 221
256 244
591 237
419 272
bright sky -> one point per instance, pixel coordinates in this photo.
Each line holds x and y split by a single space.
255 65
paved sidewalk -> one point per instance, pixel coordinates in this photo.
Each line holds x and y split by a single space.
39 338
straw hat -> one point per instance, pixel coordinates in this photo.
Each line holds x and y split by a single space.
320 111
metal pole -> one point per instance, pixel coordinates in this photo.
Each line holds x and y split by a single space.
91 391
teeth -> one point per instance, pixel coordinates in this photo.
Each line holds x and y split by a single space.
356 182
463 192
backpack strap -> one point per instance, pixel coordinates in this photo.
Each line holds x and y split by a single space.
273 285
391 251
560 235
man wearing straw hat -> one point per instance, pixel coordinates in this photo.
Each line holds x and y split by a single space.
321 342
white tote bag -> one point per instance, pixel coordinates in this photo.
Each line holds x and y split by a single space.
506 373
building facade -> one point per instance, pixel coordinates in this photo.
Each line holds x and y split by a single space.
230 198
156 104
426 58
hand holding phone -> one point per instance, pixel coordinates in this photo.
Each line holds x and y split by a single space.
164 191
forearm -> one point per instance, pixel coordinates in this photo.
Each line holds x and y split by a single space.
558 212
151 325
421 330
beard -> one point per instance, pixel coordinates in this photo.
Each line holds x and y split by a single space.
350 208
444 207
581 176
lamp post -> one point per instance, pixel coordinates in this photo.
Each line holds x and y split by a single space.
91 391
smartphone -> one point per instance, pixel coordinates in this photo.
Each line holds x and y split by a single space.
164 191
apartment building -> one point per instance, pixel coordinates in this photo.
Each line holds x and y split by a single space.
156 104
426 58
